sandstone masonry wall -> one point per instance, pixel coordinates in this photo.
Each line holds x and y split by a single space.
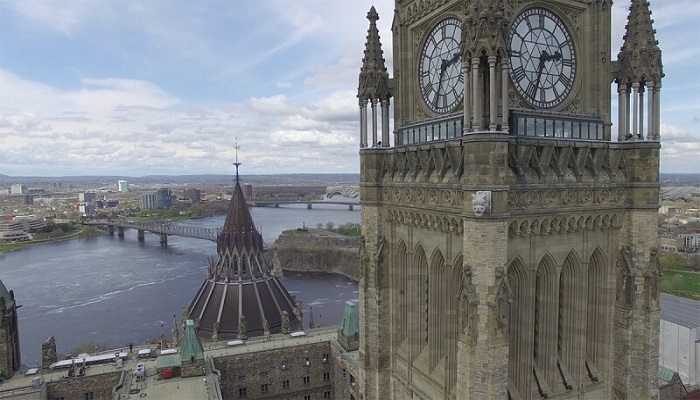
78 388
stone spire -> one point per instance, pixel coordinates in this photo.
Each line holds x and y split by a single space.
639 74
640 55
374 78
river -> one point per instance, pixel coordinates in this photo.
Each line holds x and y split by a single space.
115 291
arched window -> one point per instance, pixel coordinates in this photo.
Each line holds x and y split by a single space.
544 352
512 321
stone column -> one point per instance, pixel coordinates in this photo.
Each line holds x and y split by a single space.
493 115
476 90
621 112
385 123
635 110
640 132
505 71
466 76
628 128
363 124
374 123
651 133
657 110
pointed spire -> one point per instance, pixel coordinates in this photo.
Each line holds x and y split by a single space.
640 55
373 82
237 164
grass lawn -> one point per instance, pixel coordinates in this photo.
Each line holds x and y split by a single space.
681 283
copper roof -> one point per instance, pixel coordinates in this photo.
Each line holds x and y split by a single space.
240 297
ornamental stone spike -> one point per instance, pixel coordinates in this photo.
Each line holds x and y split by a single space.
373 82
640 55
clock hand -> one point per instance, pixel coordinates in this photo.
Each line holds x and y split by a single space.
543 57
454 59
553 57
443 68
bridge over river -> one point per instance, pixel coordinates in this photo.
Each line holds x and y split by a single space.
309 203
164 229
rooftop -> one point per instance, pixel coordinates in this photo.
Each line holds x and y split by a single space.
681 311
201 387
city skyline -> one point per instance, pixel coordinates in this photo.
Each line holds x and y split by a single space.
133 89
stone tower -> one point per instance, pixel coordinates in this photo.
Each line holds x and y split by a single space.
509 246
10 360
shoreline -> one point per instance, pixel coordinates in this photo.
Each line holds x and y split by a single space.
303 271
33 243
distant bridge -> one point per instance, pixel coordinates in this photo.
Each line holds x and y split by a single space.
309 203
159 228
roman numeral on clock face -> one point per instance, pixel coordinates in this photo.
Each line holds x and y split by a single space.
518 74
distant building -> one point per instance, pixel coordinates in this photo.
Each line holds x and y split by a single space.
18 189
87 209
122 186
193 194
668 244
679 339
689 243
87 197
28 199
163 198
248 191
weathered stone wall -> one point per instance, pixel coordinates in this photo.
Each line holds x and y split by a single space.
195 368
345 373
317 251
76 388
253 370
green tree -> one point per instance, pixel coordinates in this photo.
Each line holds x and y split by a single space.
672 261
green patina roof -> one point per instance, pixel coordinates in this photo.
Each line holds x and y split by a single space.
350 323
9 301
191 346
665 375
167 361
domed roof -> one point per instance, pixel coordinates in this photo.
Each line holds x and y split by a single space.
240 297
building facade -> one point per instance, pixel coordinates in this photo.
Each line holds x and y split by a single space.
163 198
679 341
510 244
18 189
122 186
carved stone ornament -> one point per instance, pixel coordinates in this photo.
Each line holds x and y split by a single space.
481 203
437 222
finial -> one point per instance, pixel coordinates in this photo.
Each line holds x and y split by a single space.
237 164
372 15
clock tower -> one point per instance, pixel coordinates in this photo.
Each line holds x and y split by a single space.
509 227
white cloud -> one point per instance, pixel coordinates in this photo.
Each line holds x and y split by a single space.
166 87
135 128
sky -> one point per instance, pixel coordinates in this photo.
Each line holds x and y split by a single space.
138 88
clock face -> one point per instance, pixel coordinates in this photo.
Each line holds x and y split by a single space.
543 60
440 70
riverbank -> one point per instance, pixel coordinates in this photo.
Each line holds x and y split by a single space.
84 232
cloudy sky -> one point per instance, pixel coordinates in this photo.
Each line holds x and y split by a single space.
165 87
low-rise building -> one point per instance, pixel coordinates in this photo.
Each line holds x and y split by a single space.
679 338
18 189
